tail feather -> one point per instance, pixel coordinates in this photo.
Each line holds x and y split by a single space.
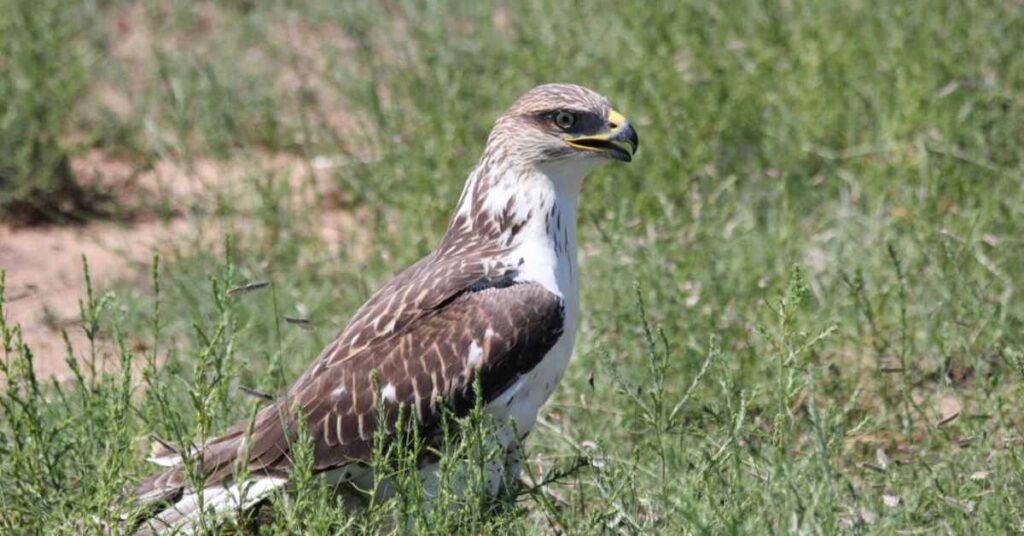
186 516
177 507
160 488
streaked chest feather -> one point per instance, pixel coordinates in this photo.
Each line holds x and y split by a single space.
548 258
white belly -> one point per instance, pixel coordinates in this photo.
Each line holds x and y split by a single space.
523 400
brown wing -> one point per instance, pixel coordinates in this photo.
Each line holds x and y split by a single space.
465 259
421 288
497 332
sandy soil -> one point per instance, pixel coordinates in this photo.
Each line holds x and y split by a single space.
45 279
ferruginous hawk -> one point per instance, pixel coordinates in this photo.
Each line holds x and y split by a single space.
496 303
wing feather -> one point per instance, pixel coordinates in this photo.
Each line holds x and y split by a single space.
504 331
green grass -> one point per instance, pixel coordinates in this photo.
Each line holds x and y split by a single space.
819 240
42 75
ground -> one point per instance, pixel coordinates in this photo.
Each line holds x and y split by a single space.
801 301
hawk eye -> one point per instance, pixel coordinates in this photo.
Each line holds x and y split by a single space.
564 120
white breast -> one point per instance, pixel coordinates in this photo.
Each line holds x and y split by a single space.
548 254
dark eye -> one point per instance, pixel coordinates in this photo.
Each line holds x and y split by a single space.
564 120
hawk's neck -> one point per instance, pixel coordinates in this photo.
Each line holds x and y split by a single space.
522 215
505 206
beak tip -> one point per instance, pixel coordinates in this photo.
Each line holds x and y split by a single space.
630 136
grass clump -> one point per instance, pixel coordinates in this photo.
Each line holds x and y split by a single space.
43 76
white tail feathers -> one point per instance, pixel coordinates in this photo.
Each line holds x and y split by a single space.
218 502
170 460
167 454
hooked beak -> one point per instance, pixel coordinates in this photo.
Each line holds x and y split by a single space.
618 142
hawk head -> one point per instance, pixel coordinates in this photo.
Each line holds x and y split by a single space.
556 122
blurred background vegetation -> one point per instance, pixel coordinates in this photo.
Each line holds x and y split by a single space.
800 302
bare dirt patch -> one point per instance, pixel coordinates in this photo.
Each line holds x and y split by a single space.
45 279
